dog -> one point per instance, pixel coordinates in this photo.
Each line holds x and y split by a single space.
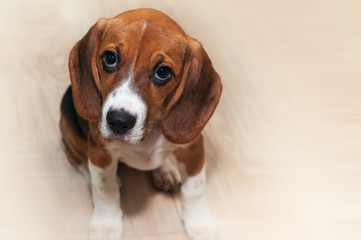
141 92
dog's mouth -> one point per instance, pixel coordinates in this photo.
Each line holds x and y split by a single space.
134 135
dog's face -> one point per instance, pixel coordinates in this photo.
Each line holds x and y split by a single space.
140 64
129 70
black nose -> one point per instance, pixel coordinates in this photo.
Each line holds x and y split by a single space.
120 121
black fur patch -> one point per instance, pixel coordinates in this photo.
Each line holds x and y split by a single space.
78 124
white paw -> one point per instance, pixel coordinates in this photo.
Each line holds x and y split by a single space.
167 177
106 226
202 227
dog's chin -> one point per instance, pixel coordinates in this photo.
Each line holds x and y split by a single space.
134 136
130 138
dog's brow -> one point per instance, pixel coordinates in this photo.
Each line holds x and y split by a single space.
131 70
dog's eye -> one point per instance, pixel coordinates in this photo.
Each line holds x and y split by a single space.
110 61
162 75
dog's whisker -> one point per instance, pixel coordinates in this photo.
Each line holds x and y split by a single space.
158 123
155 132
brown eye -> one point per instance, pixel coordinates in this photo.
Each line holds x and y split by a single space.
110 61
162 75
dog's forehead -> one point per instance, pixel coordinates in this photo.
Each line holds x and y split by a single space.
145 26
151 17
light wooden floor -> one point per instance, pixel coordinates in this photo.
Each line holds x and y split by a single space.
283 148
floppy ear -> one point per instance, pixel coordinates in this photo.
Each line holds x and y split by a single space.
84 73
195 98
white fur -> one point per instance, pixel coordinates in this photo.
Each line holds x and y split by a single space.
147 155
154 152
125 97
106 222
144 27
199 222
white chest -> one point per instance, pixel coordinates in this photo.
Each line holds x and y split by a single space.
147 155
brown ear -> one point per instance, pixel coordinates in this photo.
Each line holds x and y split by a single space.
195 99
84 73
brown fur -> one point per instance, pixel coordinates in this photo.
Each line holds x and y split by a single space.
192 156
195 100
97 153
185 103
75 146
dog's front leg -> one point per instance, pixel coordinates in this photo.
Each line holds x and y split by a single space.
106 222
198 220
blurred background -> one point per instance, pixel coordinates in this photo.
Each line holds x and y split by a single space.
283 147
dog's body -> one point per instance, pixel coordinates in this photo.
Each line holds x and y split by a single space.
142 91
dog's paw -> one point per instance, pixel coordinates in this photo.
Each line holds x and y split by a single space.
201 227
106 226
167 177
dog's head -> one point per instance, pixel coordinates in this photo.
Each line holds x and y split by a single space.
129 70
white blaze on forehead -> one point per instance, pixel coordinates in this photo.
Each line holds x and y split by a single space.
126 97
144 26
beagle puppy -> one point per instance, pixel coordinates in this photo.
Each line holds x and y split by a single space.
141 92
